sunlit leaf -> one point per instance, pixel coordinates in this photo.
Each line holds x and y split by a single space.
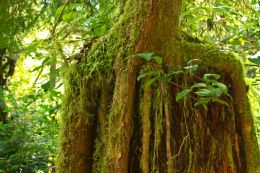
210 77
59 10
69 16
75 5
199 85
197 19
204 92
182 94
221 8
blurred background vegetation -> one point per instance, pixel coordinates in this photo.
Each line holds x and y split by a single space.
40 38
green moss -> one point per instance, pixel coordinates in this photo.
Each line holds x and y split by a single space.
211 57
83 81
158 129
208 55
94 72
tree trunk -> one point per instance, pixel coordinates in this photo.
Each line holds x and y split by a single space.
113 123
7 65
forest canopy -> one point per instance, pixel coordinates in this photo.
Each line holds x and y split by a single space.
53 50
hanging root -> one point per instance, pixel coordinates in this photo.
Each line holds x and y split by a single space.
146 129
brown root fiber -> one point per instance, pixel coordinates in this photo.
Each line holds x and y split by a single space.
146 129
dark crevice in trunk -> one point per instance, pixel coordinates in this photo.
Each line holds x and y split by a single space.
90 153
135 143
242 155
162 155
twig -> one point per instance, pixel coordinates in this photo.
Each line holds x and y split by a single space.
57 21
181 146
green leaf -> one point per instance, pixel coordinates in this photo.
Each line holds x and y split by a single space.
100 30
69 16
255 60
210 77
150 82
216 92
147 56
158 59
203 101
223 88
221 9
175 73
76 5
192 68
182 94
149 73
7 110
59 10
30 48
37 68
204 92
165 78
193 11
220 101
139 77
199 85
197 19
205 106
54 93
46 86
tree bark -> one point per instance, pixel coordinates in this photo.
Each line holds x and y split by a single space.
112 123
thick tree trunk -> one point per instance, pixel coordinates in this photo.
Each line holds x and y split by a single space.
112 123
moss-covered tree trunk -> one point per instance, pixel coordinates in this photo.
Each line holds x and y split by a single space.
114 124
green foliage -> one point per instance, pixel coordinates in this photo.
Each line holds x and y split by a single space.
16 20
231 25
210 90
255 60
255 101
29 142
182 94
154 75
148 57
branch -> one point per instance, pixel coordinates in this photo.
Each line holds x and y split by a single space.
253 65
57 21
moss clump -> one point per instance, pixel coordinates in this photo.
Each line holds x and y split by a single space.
84 80
208 57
